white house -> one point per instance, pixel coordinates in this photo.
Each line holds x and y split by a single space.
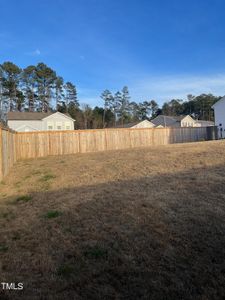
143 124
139 124
203 123
219 112
38 121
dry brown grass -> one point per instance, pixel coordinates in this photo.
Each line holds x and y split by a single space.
138 224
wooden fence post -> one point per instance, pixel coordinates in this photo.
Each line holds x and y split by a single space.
105 140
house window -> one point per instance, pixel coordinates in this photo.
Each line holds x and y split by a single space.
50 126
59 125
67 126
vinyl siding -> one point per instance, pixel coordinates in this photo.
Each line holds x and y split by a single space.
54 119
57 119
16 124
219 110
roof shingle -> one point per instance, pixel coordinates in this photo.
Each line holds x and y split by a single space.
17 115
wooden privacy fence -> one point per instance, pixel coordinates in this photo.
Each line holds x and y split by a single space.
21 145
7 151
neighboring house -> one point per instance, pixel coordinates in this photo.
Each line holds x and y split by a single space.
203 123
174 121
219 112
38 121
139 124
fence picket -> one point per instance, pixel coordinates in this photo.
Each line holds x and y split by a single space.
22 145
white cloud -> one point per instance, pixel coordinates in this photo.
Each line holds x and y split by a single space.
36 52
160 88
176 86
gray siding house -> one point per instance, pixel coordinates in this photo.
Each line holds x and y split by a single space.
174 121
179 121
38 121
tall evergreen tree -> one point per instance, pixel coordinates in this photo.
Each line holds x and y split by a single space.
29 86
71 94
3 99
88 116
116 105
59 92
124 104
107 98
98 113
45 81
10 81
173 108
153 108
135 109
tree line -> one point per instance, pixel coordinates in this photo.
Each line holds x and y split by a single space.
34 88
39 88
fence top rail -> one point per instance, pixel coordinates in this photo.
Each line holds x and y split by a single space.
77 131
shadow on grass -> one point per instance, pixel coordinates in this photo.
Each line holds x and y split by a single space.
158 237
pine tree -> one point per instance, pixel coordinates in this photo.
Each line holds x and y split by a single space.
29 86
10 81
124 105
59 92
116 105
108 100
154 107
70 94
3 99
88 116
45 81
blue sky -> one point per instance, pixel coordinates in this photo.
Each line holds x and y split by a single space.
160 49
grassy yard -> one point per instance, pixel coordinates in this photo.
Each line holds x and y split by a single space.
137 224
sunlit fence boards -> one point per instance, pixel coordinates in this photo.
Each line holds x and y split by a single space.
22 145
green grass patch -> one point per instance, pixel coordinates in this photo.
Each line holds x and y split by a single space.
96 252
7 215
47 177
24 198
65 271
52 214
3 248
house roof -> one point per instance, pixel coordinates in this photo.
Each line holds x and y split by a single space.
17 115
179 118
167 120
163 120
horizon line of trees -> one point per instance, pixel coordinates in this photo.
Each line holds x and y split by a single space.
34 88
39 88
